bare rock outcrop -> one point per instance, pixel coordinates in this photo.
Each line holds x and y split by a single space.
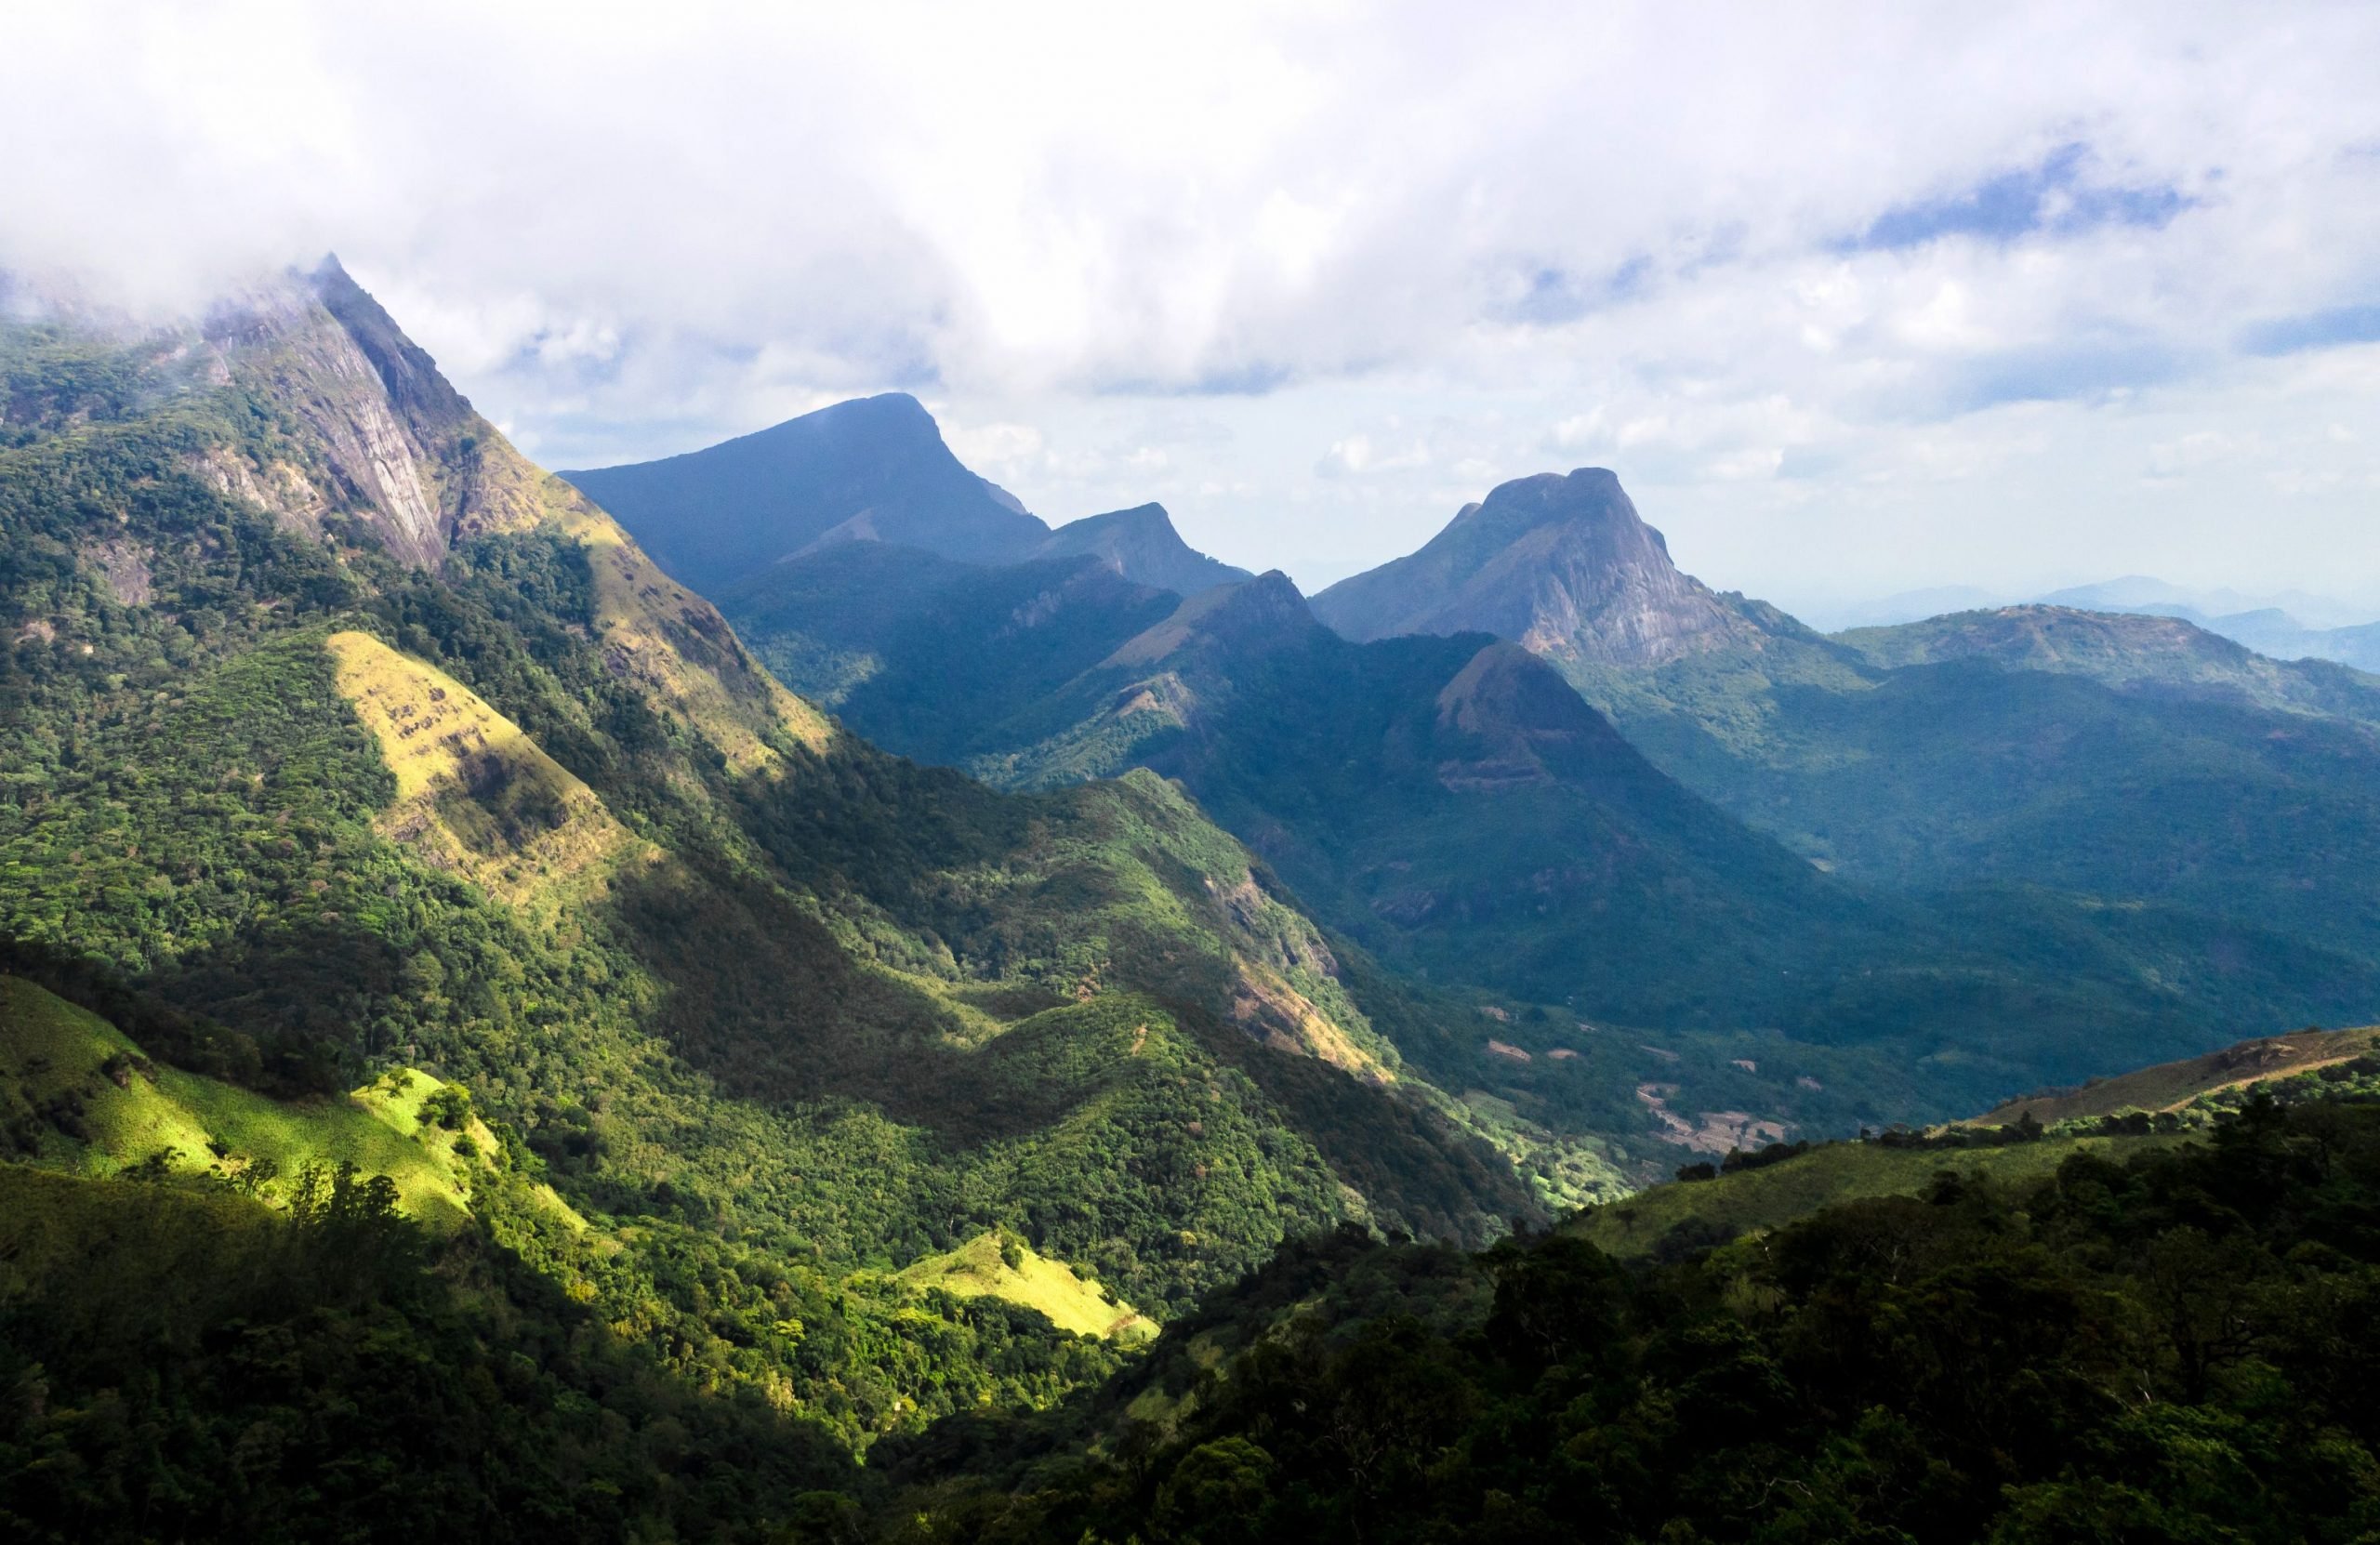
1562 565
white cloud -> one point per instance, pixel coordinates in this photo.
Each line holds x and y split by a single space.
994 449
1452 247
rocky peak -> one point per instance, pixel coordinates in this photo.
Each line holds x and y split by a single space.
406 452
389 427
1268 603
1562 564
411 378
1142 545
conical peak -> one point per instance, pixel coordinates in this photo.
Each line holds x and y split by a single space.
862 423
888 407
1269 599
1505 686
1252 616
411 378
1141 520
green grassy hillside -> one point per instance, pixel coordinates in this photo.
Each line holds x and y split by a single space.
2151 1342
2177 1085
996 1265
2019 1141
185 1360
80 1096
1685 1214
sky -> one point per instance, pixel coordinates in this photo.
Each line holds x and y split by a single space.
1854 298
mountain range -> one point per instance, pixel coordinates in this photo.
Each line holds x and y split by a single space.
1939 851
596 1003
875 470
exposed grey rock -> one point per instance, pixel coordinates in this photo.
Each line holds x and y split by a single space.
1562 565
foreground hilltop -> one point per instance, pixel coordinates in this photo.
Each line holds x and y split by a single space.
2151 1332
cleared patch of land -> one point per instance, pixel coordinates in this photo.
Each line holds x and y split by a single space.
475 794
85 1099
994 1266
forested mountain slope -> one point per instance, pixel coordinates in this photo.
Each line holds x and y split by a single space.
335 737
2153 1338
2124 797
1991 970
1453 805
2127 651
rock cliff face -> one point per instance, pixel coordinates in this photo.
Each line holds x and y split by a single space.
394 445
1562 565
285 340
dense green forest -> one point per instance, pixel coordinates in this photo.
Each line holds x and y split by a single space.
2165 1337
2174 1346
771 1014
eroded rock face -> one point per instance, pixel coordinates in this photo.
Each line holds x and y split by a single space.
124 568
285 336
395 444
1562 565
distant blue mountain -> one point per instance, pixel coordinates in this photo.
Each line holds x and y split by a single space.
1142 545
872 470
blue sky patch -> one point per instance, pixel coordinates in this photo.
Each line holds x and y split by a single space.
2048 198
2060 372
2326 329
1555 295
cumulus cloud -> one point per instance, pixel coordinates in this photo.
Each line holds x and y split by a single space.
1853 298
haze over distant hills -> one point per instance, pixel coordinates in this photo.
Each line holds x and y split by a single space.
2291 626
873 469
1373 773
